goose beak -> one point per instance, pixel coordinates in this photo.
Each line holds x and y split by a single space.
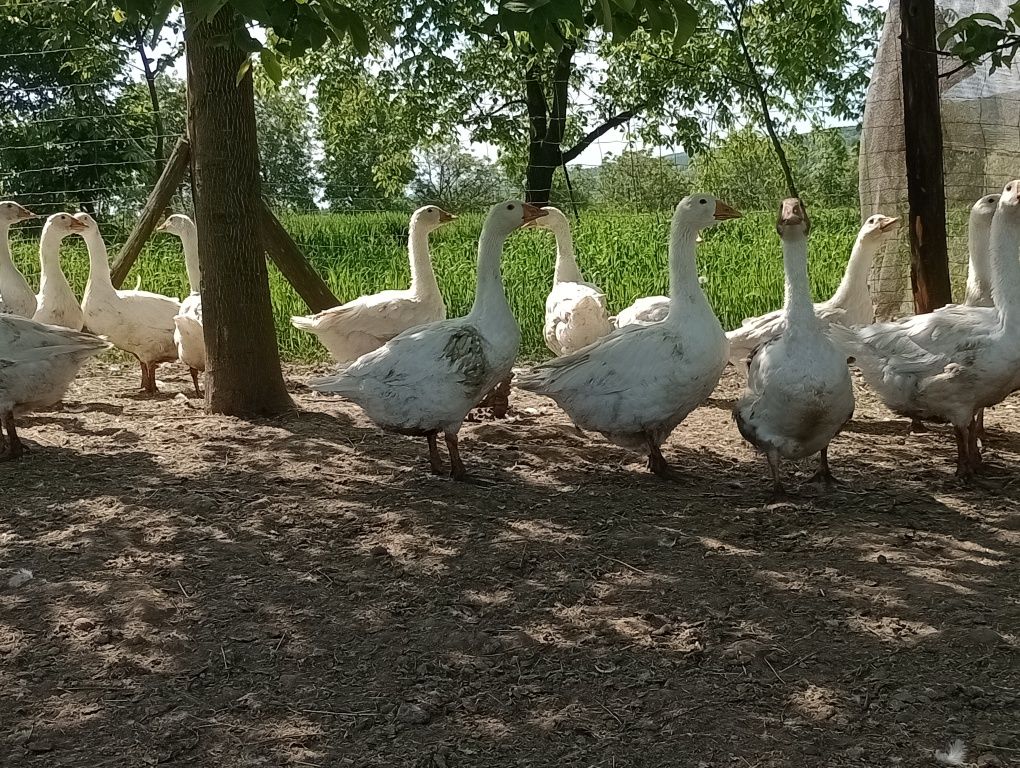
25 214
888 223
532 212
724 211
77 225
161 227
790 213
1011 193
445 216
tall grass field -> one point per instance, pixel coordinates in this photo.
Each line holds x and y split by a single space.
625 254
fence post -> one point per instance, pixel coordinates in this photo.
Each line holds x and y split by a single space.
159 198
292 263
922 130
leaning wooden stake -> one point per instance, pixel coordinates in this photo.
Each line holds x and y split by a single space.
922 130
159 198
292 263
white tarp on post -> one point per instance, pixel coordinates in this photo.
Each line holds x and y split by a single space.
981 136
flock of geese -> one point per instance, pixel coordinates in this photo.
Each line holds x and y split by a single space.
633 377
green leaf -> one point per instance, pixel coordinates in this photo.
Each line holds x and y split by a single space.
271 65
242 70
119 16
251 10
207 9
163 8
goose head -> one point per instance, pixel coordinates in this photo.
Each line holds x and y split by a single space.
12 213
62 225
1009 201
177 224
507 216
793 219
554 220
984 209
431 217
90 224
877 227
700 211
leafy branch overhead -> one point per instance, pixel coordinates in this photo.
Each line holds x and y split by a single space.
974 38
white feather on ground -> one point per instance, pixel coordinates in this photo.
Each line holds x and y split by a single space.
955 754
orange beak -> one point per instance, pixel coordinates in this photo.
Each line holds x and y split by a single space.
724 211
887 223
77 226
532 212
445 216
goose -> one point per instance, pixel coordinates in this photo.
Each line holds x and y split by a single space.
575 311
647 309
849 305
426 379
799 394
56 302
366 323
38 362
138 322
639 382
188 334
949 364
16 296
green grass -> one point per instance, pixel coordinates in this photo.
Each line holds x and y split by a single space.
624 254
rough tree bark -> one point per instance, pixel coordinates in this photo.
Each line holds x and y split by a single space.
922 128
243 377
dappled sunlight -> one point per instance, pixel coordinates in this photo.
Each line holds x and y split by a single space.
722 548
544 531
817 703
891 629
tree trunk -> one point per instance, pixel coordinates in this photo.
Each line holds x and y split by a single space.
243 376
922 129
543 160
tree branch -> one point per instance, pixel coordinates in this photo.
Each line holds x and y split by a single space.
560 90
759 89
593 136
536 104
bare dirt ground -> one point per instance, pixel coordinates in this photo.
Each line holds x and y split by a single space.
301 592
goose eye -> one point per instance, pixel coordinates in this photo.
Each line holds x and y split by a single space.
510 207
703 201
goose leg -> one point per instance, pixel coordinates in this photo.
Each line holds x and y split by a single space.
824 475
457 470
194 379
151 386
964 469
15 448
658 465
917 427
973 444
778 491
435 460
145 376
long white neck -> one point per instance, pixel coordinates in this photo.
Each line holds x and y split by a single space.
685 292
567 270
51 274
99 266
1005 241
189 241
6 262
979 278
490 297
423 278
797 304
853 288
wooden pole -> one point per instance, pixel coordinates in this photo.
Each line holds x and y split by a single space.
159 198
292 263
922 129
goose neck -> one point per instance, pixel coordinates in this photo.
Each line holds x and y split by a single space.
854 285
1005 240
567 270
99 266
423 277
189 241
979 288
797 305
6 261
490 295
685 291
49 258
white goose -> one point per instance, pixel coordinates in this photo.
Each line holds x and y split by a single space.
949 364
366 323
56 302
425 380
138 322
16 296
188 333
849 305
575 311
37 364
639 382
799 394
